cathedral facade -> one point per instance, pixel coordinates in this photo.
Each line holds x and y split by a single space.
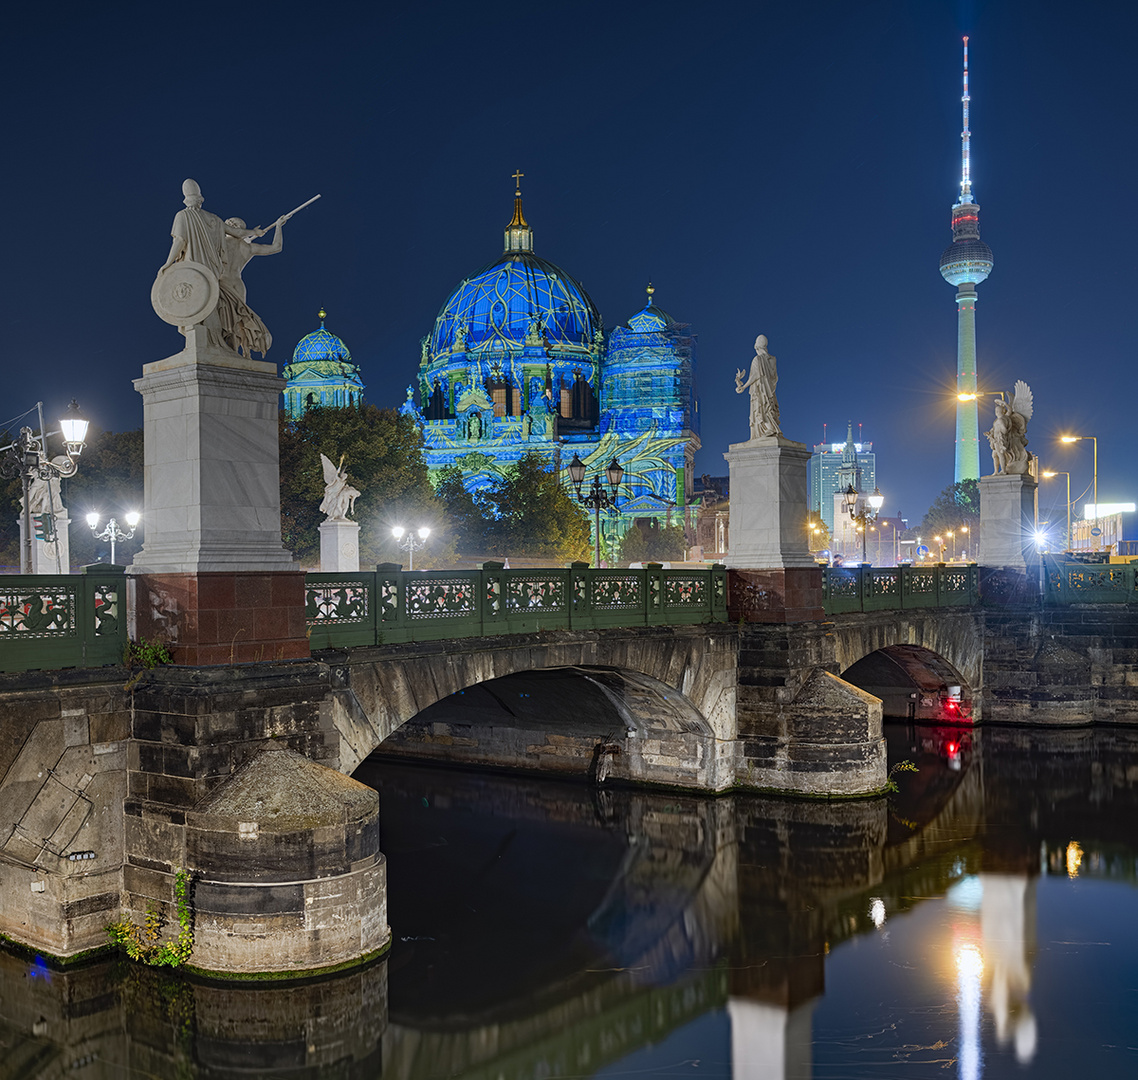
518 362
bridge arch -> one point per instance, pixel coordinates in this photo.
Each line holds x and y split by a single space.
913 651
662 700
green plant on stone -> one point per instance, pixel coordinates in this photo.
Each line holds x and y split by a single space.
147 653
145 943
901 766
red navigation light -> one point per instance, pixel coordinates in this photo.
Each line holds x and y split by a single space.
952 748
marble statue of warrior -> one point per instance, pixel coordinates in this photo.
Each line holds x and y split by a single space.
1008 435
199 236
339 496
761 383
249 334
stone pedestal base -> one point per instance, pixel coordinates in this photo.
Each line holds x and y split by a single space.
768 504
339 547
775 596
1007 521
214 618
212 480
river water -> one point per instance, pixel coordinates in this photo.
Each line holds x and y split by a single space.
981 922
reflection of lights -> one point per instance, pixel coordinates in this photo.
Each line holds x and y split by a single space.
1074 858
966 894
969 969
877 911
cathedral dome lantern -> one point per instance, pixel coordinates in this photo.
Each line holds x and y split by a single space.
517 301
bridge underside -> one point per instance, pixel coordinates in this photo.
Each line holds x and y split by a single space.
577 721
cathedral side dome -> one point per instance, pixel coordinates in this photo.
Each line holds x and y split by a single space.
321 373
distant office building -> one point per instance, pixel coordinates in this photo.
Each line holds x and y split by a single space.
833 467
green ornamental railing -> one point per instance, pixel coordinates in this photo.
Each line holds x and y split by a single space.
389 605
893 588
50 621
1089 583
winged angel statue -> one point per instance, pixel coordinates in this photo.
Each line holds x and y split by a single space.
1008 436
339 496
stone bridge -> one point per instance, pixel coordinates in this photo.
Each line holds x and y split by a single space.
109 784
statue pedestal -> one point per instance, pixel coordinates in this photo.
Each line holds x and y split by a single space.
768 505
53 557
339 547
1007 520
213 578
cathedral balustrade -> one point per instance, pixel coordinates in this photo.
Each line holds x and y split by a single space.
389 605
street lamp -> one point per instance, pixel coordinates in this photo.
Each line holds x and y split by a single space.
871 506
964 530
27 458
1048 475
112 532
596 499
951 534
411 540
1094 442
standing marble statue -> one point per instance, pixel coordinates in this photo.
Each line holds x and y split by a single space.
1008 435
200 281
339 496
761 382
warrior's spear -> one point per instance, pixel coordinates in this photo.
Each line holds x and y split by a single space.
284 217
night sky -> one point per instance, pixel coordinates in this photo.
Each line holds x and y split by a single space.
774 168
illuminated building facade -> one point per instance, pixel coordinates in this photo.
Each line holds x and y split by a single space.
519 362
833 467
965 263
321 373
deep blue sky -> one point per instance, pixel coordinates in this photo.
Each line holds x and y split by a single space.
777 168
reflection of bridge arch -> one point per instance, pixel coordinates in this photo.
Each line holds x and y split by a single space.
641 957
662 699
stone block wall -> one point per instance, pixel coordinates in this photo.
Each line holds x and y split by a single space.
1076 664
63 755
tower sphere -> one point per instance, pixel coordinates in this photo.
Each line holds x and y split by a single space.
966 261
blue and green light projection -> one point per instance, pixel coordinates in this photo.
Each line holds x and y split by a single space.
518 362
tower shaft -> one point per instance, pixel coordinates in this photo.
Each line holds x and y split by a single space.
967 414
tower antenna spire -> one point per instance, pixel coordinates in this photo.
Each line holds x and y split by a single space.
965 139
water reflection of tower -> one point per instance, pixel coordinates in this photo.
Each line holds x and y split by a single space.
965 263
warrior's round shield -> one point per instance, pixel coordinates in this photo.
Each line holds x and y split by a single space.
185 293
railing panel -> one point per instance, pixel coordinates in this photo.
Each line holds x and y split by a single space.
1090 583
62 620
874 588
389 606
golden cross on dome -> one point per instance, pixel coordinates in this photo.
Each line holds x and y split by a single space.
518 174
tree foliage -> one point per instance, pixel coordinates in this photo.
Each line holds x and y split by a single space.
957 505
382 453
653 543
526 512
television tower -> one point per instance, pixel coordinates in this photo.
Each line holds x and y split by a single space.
965 263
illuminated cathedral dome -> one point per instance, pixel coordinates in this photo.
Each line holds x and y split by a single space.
320 345
516 300
321 373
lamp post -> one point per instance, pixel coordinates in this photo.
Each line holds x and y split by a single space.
411 540
964 530
112 532
870 507
27 458
1048 475
1094 444
596 499
951 534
